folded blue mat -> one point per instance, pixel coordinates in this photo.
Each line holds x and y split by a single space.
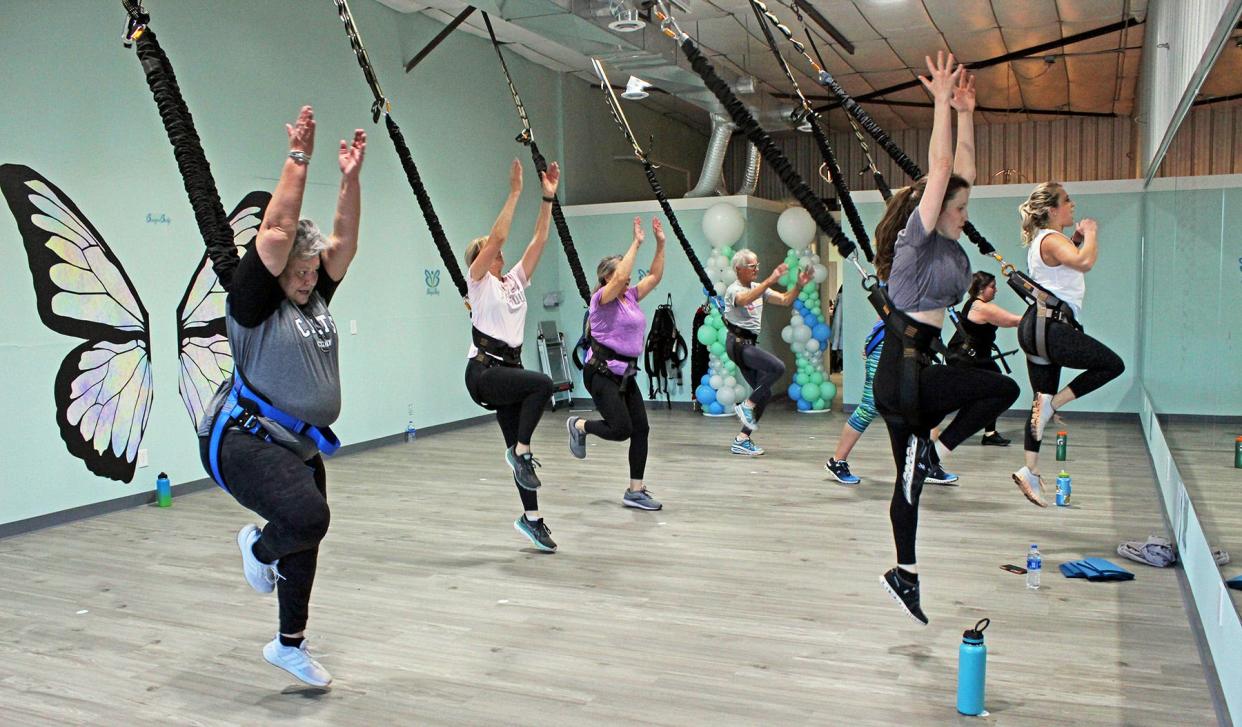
1095 569
1235 582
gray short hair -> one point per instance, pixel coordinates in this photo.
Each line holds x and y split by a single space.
308 242
744 257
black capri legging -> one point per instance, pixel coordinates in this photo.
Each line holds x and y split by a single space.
517 395
292 496
984 362
1068 347
978 396
760 369
624 416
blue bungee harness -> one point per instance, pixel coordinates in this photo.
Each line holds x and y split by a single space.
246 408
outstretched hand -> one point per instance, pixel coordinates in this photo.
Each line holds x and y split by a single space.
658 228
550 179
302 132
941 76
805 276
964 93
779 271
639 234
515 177
351 154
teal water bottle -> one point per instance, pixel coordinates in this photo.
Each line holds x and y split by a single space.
163 491
1063 489
972 667
1062 445
1237 453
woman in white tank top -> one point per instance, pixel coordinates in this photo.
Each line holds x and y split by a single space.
1060 265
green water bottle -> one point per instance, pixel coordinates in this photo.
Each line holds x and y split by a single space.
163 491
1062 445
1237 453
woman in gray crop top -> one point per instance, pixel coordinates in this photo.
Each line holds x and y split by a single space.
918 253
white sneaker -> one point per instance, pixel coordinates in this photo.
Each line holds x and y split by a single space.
1031 485
261 576
297 661
1041 415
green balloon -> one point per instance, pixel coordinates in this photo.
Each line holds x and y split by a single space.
828 390
717 348
728 252
802 379
816 378
707 335
819 405
730 366
810 391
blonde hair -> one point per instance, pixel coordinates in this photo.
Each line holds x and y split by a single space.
1037 208
605 268
472 250
744 257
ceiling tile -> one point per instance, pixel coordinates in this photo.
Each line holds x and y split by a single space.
1018 38
962 15
894 18
1099 12
976 45
1013 14
913 48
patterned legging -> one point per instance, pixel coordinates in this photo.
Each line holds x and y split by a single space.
865 411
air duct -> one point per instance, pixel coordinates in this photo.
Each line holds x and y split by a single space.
751 180
712 176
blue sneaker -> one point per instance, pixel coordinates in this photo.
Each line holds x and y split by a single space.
747 415
537 531
640 499
937 476
746 447
840 471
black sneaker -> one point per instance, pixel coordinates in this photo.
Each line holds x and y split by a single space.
937 476
523 466
840 471
905 593
994 440
537 531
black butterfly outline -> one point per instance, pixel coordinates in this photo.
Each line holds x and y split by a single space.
103 388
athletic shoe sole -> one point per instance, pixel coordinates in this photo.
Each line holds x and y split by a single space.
244 542
837 477
294 674
571 425
937 481
1025 486
532 538
986 443
907 472
745 452
640 505
1039 420
737 409
893 595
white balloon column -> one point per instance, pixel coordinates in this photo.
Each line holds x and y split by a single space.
721 387
807 333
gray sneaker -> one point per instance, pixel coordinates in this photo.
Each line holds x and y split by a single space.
577 439
640 499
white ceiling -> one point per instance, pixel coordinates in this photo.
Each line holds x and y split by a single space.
890 38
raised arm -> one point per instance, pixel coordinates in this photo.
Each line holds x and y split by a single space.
280 221
656 274
746 297
343 244
963 102
789 296
615 287
500 228
1057 249
548 182
941 79
982 312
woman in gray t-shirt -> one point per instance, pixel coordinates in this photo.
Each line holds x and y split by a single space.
918 254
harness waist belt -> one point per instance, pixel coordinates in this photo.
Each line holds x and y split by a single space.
744 336
509 355
243 407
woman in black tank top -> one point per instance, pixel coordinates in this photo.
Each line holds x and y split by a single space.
980 319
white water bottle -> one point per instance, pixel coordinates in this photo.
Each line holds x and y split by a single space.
410 432
1034 564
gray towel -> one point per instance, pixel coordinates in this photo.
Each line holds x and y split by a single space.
1159 552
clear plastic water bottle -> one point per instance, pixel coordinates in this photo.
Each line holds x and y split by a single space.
1034 564
410 431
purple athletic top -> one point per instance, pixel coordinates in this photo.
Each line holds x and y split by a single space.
619 325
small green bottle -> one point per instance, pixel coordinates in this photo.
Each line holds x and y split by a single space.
1062 445
1237 453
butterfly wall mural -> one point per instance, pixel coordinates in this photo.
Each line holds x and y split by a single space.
103 387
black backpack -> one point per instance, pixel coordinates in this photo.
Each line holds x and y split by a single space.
666 352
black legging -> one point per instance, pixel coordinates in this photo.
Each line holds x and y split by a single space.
760 369
1071 348
292 496
985 362
518 396
624 416
978 396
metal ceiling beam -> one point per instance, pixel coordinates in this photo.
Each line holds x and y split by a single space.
448 30
828 27
1005 58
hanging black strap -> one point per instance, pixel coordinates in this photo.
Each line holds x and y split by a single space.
200 186
380 105
527 137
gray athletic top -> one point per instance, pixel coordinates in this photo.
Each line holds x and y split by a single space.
929 272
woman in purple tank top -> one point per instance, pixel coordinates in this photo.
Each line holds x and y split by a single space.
615 333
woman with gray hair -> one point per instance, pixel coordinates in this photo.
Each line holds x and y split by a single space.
263 433
744 300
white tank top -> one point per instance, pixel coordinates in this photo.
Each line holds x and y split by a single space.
1065 282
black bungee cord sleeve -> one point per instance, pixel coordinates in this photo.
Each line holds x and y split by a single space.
380 106
527 137
200 186
747 124
886 142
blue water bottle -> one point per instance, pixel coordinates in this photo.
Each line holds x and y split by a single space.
1063 489
163 491
972 666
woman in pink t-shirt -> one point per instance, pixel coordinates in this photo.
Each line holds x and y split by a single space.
494 374
615 334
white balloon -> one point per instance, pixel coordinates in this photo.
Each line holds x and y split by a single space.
821 273
740 393
730 381
797 346
787 334
796 228
802 334
729 277
723 224
726 397
715 381
812 345
719 287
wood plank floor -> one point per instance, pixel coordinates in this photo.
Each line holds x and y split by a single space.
753 598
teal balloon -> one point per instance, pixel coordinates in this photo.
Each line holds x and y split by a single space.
819 405
810 391
717 348
828 390
802 380
707 335
718 323
816 378
730 366
727 252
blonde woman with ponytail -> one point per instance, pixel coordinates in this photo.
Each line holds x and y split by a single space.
1059 264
